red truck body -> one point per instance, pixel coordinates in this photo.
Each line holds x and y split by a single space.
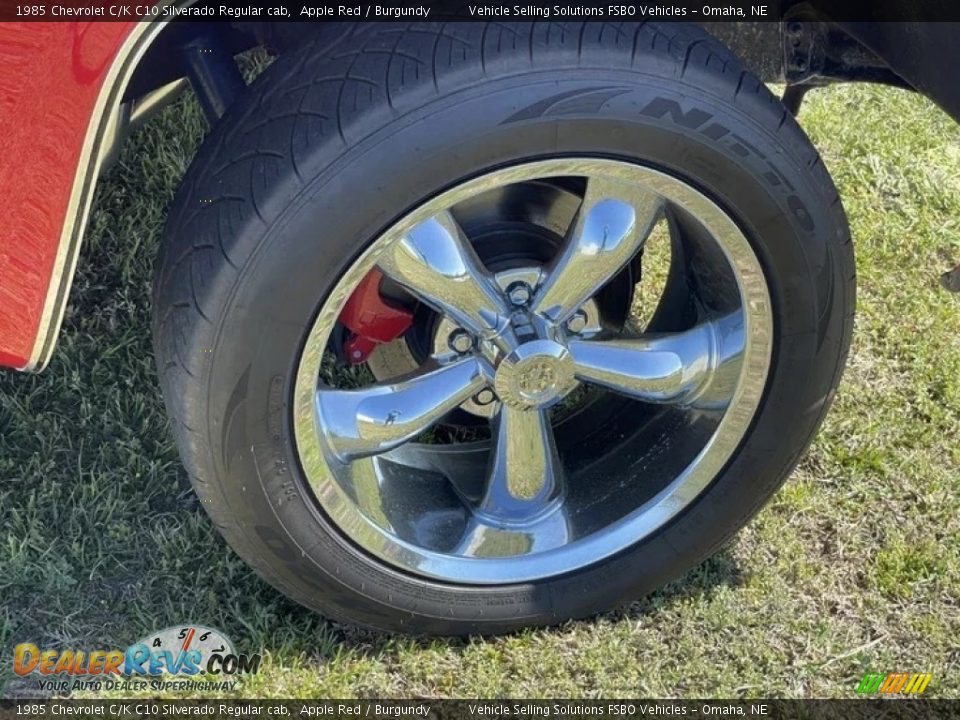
52 75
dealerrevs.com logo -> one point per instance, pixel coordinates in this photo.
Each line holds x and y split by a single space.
183 652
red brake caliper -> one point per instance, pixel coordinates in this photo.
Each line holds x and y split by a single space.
371 320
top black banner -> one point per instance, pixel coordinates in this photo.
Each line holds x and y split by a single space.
478 10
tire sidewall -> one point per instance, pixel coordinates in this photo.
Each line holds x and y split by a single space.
356 193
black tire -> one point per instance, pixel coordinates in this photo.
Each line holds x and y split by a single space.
335 142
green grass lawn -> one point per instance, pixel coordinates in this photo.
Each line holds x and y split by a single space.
855 565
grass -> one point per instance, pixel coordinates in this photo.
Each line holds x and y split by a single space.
854 567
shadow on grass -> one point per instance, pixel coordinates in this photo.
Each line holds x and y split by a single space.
107 543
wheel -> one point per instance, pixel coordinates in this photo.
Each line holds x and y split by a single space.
406 334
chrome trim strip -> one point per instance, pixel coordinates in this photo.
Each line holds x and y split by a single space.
96 147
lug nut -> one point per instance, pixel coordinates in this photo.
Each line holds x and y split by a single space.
578 322
484 397
460 341
519 293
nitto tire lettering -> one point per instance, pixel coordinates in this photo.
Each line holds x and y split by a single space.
694 119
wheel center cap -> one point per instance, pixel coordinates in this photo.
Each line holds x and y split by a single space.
535 375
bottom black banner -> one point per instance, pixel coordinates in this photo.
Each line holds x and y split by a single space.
141 709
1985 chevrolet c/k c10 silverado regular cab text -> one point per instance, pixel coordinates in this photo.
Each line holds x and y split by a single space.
403 323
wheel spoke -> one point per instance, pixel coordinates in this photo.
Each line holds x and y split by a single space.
369 421
437 263
611 227
524 468
663 368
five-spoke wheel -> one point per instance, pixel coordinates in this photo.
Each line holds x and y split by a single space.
520 513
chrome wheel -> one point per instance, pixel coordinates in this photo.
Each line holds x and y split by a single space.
537 498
